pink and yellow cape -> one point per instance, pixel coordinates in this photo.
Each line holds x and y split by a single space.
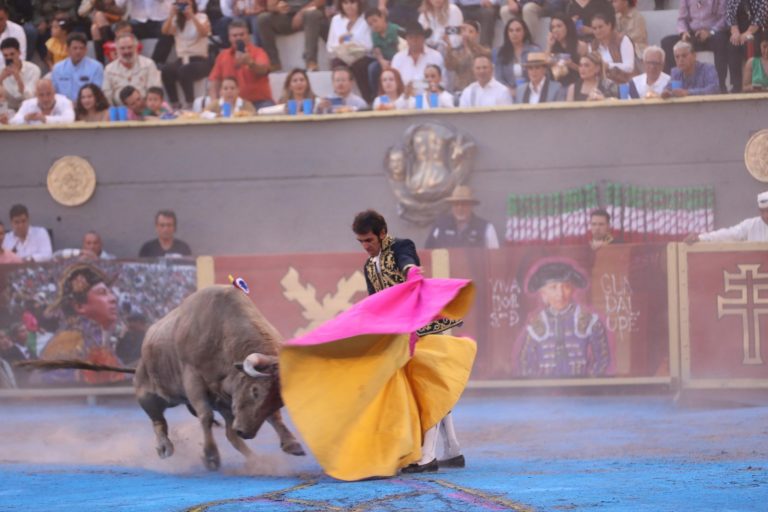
359 391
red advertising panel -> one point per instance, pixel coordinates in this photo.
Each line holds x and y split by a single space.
725 331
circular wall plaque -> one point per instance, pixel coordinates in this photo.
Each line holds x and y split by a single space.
71 181
756 155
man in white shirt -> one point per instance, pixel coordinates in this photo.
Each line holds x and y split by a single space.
130 68
486 91
653 82
30 243
46 107
11 29
412 63
539 89
20 77
147 17
749 230
342 99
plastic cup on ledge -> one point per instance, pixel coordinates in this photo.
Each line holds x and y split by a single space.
226 109
419 101
122 113
114 115
675 84
624 91
307 106
292 107
520 82
384 99
434 100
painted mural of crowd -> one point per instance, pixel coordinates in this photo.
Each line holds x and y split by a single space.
400 54
82 303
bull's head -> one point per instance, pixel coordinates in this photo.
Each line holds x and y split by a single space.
256 393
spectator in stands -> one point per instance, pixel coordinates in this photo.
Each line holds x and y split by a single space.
6 255
297 87
56 45
540 88
155 105
91 105
128 347
19 76
615 48
342 99
412 62
701 23
248 11
400 12
600 229
435 96
509 57
93 247
444 19
7 376
9 29
631 23
190 30
287 17
652 83
754 229
13 349
121 28
130 68
459 59
755 75
134 101
165 245
46 107
30 243
581 12
531 11
385 39
77 70
484 12
461 227
102 13
246 62
694 78
350 43
747 19
591 85
486 91
391 88
147 18
230 94
6 112
566 49
221 25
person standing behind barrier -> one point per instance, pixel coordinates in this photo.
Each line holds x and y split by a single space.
130 69
755 78
190 30
600 229
540 88
19 76
701 23
461 227
591 85
652 83
509 57
690 77
6 256
165 245
30 243
486 91
77 69
754 229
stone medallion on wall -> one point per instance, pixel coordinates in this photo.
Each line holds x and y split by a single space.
71 181
756 155
431 160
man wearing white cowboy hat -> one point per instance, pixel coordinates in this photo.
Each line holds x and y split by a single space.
461 227
412 62
539 88
754 229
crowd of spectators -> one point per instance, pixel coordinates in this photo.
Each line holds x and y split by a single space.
384 54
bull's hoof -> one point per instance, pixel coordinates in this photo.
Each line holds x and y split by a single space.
293 448
212 462
164 449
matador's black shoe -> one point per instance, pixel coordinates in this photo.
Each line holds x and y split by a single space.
429 467
454 462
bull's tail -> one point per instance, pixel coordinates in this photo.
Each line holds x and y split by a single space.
75 364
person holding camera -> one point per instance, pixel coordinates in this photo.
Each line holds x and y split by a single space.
18 77
459 60
190 30
702 24
444 19
247 63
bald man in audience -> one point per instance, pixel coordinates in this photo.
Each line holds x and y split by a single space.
46 107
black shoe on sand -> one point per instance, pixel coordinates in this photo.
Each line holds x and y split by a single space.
429 467
454 462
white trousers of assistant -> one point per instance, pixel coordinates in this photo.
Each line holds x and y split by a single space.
445 430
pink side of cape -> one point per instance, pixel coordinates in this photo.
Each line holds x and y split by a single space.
400 309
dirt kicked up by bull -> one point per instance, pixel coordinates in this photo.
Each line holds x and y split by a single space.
215 352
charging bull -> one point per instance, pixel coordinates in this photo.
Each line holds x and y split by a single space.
214 352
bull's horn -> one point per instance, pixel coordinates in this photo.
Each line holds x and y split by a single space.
254 363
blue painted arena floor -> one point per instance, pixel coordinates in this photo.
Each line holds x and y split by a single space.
543 453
